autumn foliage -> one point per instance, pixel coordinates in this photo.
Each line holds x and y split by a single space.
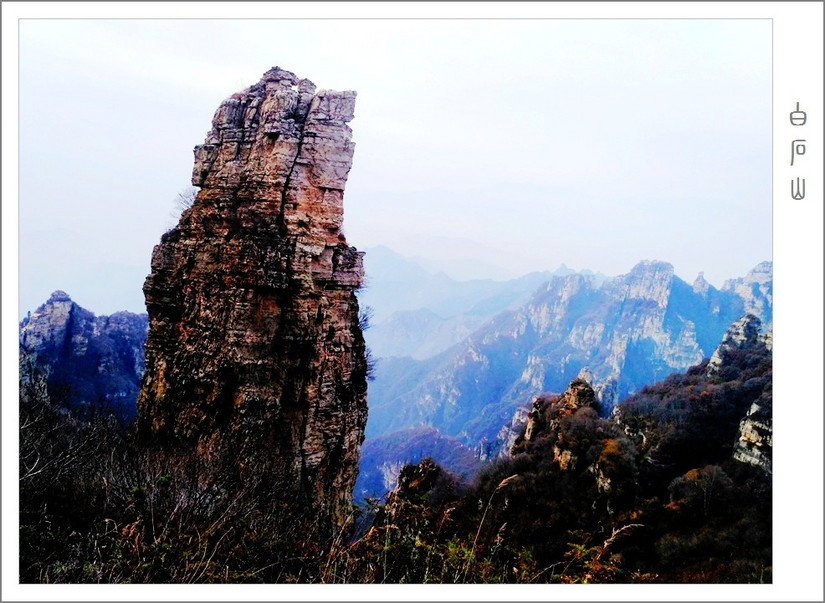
650 494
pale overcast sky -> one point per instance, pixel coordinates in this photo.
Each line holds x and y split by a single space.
522 143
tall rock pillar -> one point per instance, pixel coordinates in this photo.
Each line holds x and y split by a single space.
254 352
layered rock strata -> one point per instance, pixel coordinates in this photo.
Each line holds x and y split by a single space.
754 444
254 352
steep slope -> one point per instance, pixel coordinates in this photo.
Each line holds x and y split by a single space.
756 289
90 363
632 330
255 359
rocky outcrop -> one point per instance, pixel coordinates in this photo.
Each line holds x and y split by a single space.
383 458
754 445
700 285
547 413
754 442
254 352
419 486
744 332
524 416
89 363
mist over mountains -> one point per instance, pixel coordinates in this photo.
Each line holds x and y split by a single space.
624 332
506 419
418 311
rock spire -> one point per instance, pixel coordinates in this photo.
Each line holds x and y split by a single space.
254 354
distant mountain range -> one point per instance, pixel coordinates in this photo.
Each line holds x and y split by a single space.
626 332
419 312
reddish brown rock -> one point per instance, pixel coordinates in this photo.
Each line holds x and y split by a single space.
547 413
254 350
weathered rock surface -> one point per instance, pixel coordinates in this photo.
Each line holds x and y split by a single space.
755 442
254 350
89 363
546 414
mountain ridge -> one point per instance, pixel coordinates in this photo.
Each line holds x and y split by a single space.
89 363
420 313
630 331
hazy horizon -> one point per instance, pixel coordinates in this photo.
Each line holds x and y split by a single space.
454 268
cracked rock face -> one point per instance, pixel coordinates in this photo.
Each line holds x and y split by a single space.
754 444
254 350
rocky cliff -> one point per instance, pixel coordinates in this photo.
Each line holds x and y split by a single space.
742 333
89 363
754 442
547 414
254 352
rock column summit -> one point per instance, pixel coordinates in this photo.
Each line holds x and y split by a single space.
254 352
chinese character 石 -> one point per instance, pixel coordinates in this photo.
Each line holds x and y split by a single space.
799 193
798 117
797 148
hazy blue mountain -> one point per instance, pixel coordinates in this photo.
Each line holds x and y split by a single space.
89 363
419 333
632 330
419 313
756 289
396 283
